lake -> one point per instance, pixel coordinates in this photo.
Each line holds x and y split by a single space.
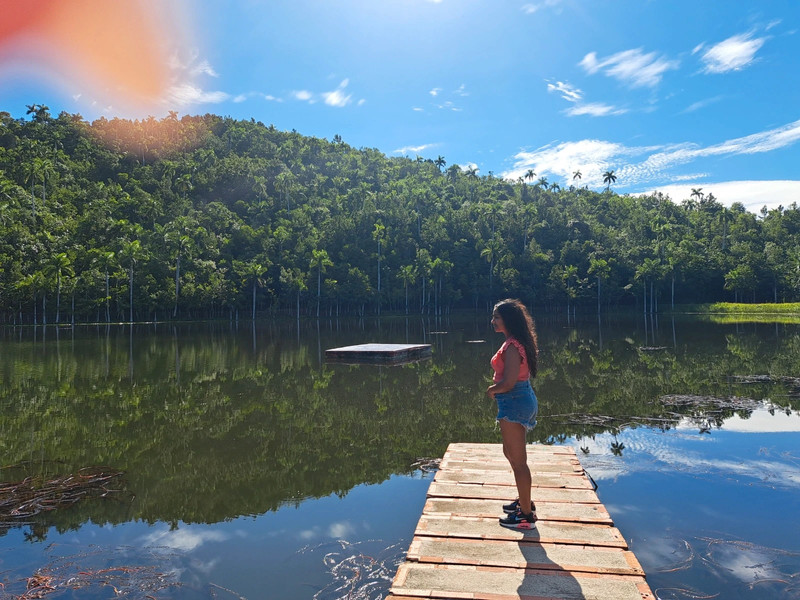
229 460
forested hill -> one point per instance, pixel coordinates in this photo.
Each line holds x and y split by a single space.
204 216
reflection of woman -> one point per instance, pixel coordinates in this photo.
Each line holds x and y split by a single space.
514 364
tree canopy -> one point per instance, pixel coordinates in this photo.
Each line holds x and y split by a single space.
204 216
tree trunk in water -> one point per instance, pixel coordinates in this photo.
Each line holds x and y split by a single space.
131 293
673 293
177 284
254 300
644 296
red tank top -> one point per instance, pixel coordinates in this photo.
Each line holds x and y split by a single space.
499 361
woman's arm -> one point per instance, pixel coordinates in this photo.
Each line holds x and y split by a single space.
513 362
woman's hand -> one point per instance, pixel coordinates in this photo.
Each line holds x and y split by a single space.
491 391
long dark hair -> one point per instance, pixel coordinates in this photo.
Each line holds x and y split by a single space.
519 325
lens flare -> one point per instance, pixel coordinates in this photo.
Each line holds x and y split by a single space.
115 52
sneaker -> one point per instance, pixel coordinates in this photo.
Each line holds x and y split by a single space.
514 507
518 520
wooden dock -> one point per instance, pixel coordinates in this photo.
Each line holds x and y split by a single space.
384 354
460 551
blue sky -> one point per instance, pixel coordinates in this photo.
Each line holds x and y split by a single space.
670 94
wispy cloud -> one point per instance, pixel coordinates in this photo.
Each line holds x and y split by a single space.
567 91
414 149
203 68
751 194
732 54
186 539
645 165
338 97
435 92
701 104
595 110
632 67
187 93
532 7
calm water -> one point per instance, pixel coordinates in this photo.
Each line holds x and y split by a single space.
254 469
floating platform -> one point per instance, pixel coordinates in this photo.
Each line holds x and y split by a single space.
392 354
459 550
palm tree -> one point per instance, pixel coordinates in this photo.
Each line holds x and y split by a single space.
440 162
407 274
131 251
253 271
320 260
577 175
697 193
608 179
378 234
542 182
107 262
529 175
59 265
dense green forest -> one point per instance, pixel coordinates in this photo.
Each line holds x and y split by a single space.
207 216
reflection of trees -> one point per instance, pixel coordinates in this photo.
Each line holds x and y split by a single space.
248 427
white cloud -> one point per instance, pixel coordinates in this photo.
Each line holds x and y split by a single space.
591 157
461 91
188 93
418 109
732 54
632 67
240 98
701 104
435 92
414 149
203 68
595 110
752 194
340 530
303 96
185 539
567 91
646 165
337 97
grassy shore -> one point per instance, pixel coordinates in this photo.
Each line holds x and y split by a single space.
732 312
731 308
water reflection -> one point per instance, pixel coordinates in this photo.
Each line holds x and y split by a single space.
214 423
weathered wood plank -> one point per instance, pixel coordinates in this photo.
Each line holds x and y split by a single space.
574 512
506 493
460 551
500 583
552 532
524 555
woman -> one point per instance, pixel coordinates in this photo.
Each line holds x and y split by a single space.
514 364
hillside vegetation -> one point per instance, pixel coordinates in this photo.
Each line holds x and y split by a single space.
207 216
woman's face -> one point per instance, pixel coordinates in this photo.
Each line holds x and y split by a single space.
497 322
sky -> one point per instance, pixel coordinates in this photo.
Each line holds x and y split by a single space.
670 95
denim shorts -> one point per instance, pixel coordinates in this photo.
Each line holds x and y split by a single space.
518 405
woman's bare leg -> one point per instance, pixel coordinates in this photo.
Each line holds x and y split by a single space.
514 450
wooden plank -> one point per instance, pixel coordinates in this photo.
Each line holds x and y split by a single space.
506 493
497 553
417 580
574 512
460 551
537 464
552 532
553 480
497 450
